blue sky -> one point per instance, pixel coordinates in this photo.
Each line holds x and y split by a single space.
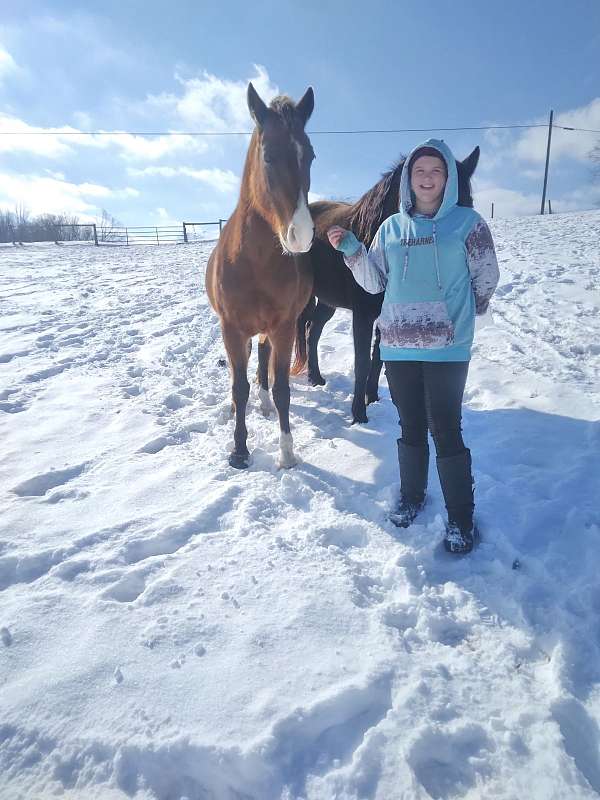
184 66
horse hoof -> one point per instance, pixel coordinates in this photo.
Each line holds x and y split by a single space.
316 380
239 461
360 419
373 399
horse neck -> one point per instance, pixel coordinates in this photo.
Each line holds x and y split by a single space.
326 213
376 205
254 198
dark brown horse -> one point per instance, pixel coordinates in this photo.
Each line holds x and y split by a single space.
256 279
335 287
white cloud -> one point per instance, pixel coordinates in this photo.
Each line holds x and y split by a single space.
141 148
531 145
507 202
510 203
20 139
585 197
221 180
45 194
7 64
61 141
164 218
209 103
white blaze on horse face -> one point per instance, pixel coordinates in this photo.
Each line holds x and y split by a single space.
287 458
300 232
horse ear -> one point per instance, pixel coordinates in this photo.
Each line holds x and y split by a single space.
258 109
305 106
469 165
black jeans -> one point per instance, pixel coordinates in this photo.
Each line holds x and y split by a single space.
428 396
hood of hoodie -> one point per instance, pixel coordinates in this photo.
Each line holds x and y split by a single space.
450 198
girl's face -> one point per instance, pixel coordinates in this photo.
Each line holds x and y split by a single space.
428 180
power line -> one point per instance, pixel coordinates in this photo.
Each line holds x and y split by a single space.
312 133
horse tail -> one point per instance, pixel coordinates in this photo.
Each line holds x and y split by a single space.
300 353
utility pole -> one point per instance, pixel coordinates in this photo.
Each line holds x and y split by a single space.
547 162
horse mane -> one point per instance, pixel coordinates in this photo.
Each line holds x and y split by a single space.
380 202
285 108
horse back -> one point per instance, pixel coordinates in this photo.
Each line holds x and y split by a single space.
334 284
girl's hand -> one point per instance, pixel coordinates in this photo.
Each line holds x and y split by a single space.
335 234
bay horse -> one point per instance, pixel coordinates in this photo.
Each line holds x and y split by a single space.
257 278
335 287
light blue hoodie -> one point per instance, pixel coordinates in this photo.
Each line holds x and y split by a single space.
437 272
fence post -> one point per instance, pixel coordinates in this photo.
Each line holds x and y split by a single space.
220 225
492 211
95 234
549 206
157 239
127 236
185 239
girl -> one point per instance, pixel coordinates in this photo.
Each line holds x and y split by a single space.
435 261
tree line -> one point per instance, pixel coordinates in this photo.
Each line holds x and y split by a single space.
19 226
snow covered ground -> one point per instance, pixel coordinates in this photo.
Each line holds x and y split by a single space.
171 628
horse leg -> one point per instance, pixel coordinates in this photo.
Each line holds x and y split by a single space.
322 314
236 344
282 342
362 329
375 371
264 353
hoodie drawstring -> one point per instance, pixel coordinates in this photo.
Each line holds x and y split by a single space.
405 263
435 257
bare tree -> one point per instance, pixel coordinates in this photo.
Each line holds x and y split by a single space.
7 226
21 220
106 227
17 227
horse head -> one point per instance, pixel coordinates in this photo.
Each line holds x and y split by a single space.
277 173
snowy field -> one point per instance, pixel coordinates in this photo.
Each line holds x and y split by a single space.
171 628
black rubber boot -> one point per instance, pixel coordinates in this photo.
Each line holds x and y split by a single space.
414 466
457 486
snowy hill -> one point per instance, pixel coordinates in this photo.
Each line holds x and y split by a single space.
171 628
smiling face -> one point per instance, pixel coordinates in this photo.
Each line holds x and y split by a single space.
428 181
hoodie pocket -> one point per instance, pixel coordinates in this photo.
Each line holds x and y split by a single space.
417 325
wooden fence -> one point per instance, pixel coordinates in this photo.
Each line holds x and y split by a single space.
150 234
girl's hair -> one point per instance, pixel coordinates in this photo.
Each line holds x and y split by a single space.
426 151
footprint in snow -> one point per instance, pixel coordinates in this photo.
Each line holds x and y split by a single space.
448 764
131 391
40 484
176 401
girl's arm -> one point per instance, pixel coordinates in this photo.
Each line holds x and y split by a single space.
483 265
369 268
